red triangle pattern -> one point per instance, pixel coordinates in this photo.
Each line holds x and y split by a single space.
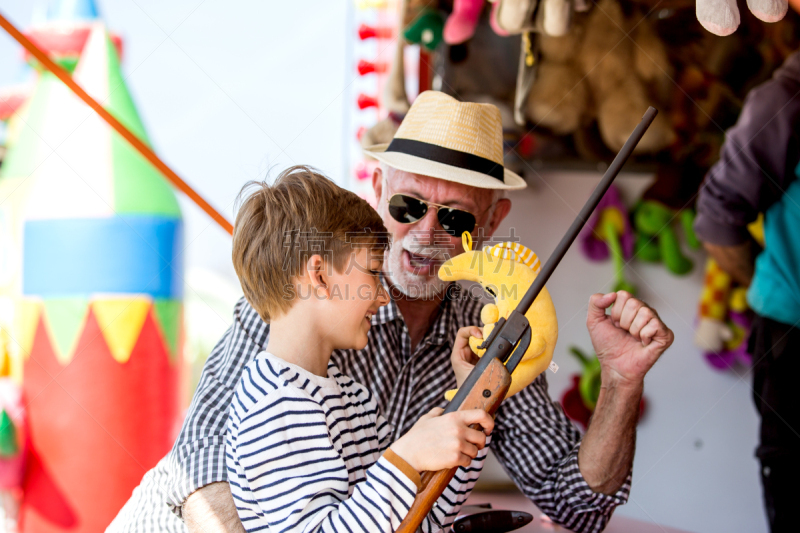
96 426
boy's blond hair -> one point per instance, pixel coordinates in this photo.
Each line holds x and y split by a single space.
280 226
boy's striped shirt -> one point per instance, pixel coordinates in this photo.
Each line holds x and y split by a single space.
532 439
310 453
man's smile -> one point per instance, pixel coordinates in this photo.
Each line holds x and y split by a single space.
421 264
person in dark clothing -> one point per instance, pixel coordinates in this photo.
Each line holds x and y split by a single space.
757 173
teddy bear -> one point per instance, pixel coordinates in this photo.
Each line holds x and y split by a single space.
595 71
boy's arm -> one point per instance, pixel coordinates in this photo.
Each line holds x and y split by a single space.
284 458
446 508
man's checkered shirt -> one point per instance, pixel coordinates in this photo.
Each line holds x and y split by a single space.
533 440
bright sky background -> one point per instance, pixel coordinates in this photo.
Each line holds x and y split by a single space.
228 90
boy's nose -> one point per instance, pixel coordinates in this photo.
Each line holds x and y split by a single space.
383 296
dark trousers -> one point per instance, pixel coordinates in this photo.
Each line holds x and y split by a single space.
776 391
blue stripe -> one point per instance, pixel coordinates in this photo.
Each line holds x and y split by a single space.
120 254
277 444
315 480
249 417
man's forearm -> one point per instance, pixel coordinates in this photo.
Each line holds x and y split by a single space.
738 261
211 510
606 453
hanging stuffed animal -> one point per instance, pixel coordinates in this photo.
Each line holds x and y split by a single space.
508 17
721 17
605 68
461 23
505 271
427 29
551 17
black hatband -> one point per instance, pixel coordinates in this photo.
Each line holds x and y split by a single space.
447 156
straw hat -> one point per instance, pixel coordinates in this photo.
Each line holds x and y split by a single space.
450 140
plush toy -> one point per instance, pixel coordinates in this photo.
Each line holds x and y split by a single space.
605 68
712 332
656 239
462 21
664 205
427 29
724 320
553 17
721 17
505 271
608 232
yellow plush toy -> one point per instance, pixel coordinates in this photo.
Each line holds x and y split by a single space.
505 271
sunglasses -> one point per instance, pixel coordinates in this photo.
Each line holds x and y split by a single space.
409 210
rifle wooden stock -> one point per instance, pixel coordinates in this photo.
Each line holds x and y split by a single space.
487 394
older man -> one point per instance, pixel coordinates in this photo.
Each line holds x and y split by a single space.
441 175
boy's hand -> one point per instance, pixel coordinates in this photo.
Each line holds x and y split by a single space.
437 442
463 358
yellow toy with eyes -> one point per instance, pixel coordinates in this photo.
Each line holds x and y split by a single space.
505 271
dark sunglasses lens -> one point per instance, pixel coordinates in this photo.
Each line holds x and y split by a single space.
455 221
406 209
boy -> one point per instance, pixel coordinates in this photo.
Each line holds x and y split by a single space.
306 448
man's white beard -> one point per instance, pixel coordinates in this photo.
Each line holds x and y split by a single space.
416 286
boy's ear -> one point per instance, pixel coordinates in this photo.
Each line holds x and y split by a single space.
318 278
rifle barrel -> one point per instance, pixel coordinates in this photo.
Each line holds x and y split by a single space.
572 233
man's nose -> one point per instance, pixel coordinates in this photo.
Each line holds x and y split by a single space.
425 230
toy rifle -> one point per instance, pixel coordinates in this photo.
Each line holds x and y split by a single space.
487 384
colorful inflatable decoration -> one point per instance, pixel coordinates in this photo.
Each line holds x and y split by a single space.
505 271
13 441
99 321
63 35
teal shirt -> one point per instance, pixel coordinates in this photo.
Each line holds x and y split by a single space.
775 290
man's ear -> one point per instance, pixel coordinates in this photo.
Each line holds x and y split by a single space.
377 182
500 213
318 278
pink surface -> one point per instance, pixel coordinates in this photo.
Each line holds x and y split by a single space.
517 502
